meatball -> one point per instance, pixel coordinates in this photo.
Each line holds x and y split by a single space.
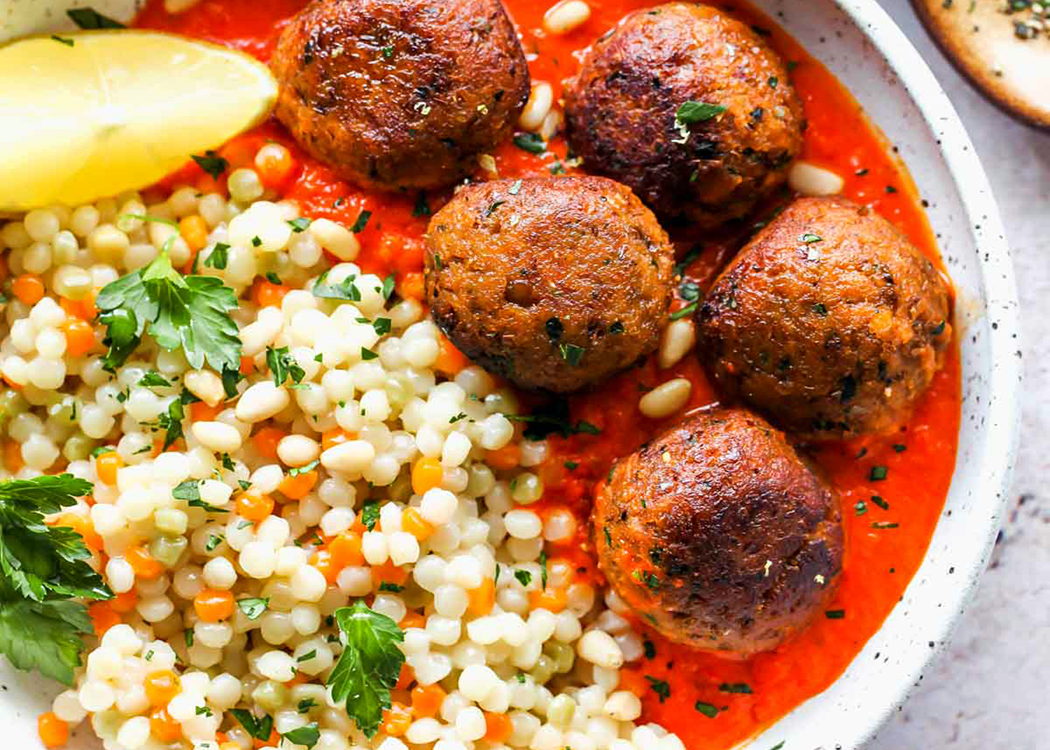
829 321
555 283
720 534
400 93
629 119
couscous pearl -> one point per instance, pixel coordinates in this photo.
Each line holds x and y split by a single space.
219 573
216 436
261 401
257 559
599 648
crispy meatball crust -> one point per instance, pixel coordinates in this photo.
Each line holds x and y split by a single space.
621 112
830 321
720 534
555 283
400 93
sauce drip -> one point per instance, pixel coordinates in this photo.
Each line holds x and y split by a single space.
709 701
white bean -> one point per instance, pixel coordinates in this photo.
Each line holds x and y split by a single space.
537 107
217 436
809 179
566 16
261 401
665 399
678 339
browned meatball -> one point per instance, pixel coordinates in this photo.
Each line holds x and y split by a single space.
555 283
400 93
829 321
719 534
622 112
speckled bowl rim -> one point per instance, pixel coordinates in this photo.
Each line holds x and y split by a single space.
846 726
828 721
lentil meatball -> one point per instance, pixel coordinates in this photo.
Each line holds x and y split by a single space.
830 321
555 283
622 112
720 534
400 93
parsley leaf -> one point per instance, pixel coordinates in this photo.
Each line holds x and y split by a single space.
191 312
691 112
89 18
254 607
171 422
531 142
218 257
660 687
212 163
368 667
260 729
283 365
370 515
345 289
361 222
308 735
41 568
153 380
524 577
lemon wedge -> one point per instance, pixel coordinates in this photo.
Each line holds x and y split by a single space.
90 114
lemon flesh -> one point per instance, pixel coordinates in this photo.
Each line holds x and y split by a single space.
116 111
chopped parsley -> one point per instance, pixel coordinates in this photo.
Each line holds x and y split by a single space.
422 208
260 728
254 607
739 688
835 614
878 473
211 163
344 290
660 687
706 709
361 222
299 225
531 142
153 379
308 735
283 365
524 577
218 257
89 18
571 353
685 311
370 515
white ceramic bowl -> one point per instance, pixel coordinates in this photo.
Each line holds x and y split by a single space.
859 42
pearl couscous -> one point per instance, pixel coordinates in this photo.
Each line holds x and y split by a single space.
366 480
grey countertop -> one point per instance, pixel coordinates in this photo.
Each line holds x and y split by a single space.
988 691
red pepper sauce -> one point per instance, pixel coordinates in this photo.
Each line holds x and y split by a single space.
889 521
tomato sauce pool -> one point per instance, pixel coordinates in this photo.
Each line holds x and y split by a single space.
711 702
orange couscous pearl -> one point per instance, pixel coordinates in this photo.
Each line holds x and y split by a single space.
28 288
161 686
142 562
427 700
52 730
426 474
212 605
254 506
106 466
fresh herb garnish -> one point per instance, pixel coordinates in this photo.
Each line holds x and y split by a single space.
370 515
283 366
552 417
212 163
740 688
878 473
253 607
524 577
835 614
89 18
42 569
361 222
571 353
218 257
706 709
188 311
344 290
299 225
61 40
153 379
308 735
531 142
260 728
369 666
660 687
685 311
